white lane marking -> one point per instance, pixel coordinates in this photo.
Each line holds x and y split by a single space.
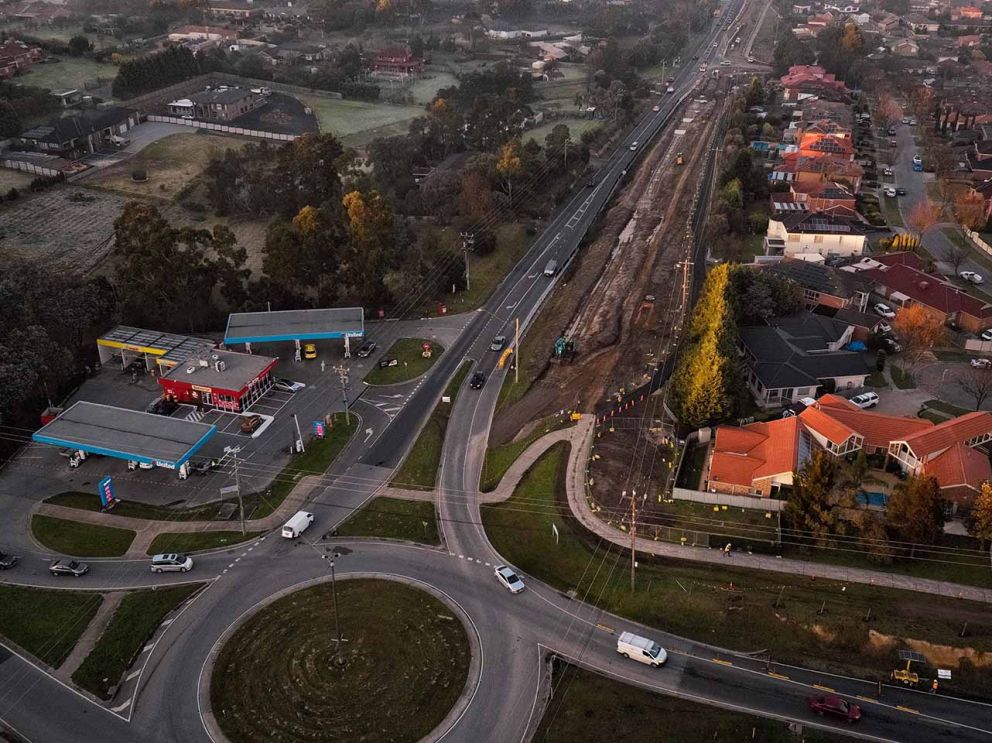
133 674
121 707
147 647
368 434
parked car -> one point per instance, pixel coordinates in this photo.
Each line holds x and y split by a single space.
477 381
171 563
162 406
888 172
884 310
656 109
68 567
986 335
498 342
865 400
891 345
835 707
884 327
508 578
981 363
288 385
250 423
7 561
890 192
310 351
974 278
366 350
136 367
202 467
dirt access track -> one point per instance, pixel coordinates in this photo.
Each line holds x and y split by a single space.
620 301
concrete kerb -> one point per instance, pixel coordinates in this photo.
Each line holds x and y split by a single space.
476 661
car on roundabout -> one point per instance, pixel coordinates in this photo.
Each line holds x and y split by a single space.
509 579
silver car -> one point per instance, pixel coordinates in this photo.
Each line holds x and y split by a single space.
508 578
498 342
172 562
68 567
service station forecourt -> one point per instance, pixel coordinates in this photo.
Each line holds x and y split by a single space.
296 325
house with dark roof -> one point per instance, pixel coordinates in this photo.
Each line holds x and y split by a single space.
798 355
805 233
826 286
217 104
904 286
73 137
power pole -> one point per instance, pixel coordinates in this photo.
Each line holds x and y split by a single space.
516 351
234 451
337 619
468 240
633 536
342 371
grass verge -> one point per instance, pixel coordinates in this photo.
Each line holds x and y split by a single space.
79 539
392 518
406 654
500 458
902 379
198 540
728 606
597 708
46 624
419 469
132 625
951 411
877 380
409 353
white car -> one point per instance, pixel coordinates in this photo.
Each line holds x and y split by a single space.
288 385
885 311
633 147
974 278
508 578
656 109
887 171
498 342
987 335
890 192
917 160
981 363
905 119
883 327
865 400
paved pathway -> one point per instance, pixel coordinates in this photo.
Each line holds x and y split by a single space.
94 630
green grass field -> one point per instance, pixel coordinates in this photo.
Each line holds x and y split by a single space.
131 626
419 468
576 127
357 123
391 518
500 458
79 539
68 73
698 600
46 624
487 271
198 540
409 353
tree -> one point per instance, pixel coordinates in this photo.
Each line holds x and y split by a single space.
922 216
980 520
79 45
956 254
810 506
916 511
10 121
969 209
510 165
373 248
888 111
919 331
976 383
476 200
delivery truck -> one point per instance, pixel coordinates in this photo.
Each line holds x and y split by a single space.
641 649
297 524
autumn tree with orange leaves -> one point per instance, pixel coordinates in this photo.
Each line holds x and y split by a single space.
918 332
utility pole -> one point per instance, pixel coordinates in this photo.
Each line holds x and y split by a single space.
337 619
299 436
234 451
342 371
468 240
516 351
633 536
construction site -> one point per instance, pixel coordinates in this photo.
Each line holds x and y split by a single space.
606 339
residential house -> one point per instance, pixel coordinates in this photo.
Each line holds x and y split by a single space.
16 57
817 167
904 47
73 137
220 104
396 62
804 81
984 189
825 197
760 458
966 12
979 160
903 286
791 359
922 24
803 232
825 286
968 40
236 12
886 22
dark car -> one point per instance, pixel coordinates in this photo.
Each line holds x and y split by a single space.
162 407
250 423
835 707
387 362
203 467
68 567
366 349
7 561
900 192
478 379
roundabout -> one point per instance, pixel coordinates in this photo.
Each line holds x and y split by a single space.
403 663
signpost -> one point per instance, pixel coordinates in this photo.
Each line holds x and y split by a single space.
106 491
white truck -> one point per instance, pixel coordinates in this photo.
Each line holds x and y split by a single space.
297 524
670 90
642 649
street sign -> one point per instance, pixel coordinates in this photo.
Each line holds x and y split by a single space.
229 490
318 429
106 490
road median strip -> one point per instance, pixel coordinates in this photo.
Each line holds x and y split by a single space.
779 676
908 709
722 662
821 687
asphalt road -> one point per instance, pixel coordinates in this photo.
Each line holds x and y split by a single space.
166 697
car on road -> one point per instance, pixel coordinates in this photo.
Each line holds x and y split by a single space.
75 568
900 192
986 335
888 172
884 310
656 109
917 160
477 381
725 63
974 278
835 707
912 122
288 385
981 363
7 561
366 350
498 342
641 649
510 580
865 400
890 192
250 423
310 351
892 131
633 146
172 562
905 119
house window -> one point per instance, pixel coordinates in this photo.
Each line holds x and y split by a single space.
773 394
787 393
818 238
793 238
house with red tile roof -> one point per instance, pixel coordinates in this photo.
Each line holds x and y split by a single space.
760 458
804 81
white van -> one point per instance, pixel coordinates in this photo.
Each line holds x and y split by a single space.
647 651
117 141
298 524
552 268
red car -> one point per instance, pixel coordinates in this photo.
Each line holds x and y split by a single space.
835 707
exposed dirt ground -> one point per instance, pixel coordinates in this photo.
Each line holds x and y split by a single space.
620 302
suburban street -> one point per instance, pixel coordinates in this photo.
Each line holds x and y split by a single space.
166 696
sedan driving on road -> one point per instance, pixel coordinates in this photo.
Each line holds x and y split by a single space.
974 278
366 350
835 707
884 310
633 147
498 342
510 580
172 562
890 192
7 561
477 381
68 567
288 385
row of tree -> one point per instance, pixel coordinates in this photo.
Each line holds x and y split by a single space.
153 71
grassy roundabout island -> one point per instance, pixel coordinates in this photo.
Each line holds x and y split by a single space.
405 661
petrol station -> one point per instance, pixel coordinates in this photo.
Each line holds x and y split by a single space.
296 325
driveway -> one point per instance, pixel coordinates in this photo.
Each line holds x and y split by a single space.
939 377
141 136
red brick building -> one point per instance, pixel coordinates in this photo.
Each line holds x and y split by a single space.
396 62
16 57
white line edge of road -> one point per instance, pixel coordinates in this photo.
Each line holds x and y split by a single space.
659 689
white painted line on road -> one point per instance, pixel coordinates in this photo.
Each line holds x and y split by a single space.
488 565
223 571
230 566
133 674
147 647
237 560
461 557
167 622
121 707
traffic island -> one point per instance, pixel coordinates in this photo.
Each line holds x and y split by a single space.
80 539
405 360
280 675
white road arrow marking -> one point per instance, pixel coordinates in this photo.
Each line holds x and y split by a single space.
368 434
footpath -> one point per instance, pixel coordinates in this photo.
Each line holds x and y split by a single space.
581 438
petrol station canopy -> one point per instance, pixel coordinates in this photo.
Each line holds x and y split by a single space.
295 325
